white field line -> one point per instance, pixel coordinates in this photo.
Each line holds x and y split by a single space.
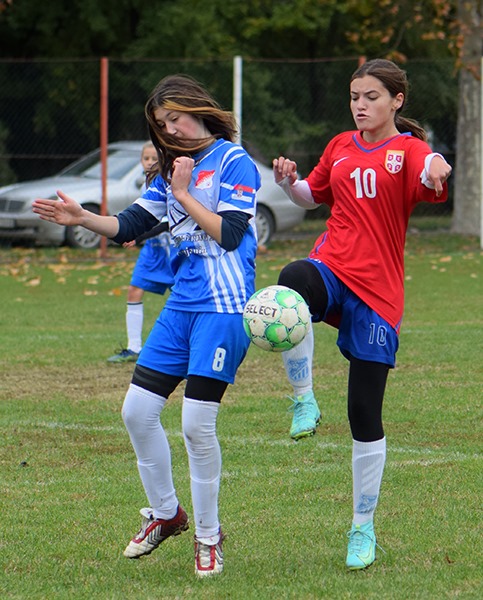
425 455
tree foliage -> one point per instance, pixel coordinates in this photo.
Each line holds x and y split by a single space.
216 28
296 115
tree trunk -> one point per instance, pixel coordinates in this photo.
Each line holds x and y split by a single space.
467 190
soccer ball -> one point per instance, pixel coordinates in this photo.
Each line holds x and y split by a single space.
276 318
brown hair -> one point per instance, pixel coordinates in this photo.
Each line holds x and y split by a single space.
395 81
184 94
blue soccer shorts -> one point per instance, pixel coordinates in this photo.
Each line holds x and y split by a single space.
155 287
362 332
152 271
205 344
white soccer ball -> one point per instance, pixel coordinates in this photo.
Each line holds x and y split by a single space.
276 318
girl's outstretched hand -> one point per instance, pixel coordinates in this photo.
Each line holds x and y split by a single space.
64 211
438 173
284 167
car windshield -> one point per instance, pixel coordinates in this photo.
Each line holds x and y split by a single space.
119 163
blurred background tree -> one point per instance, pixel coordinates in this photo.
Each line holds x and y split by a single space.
467 216
307 29
296 115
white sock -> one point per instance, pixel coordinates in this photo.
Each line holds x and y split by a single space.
199 431
134 326
141 411
298 364
368 460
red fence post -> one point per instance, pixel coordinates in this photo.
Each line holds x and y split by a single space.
103 142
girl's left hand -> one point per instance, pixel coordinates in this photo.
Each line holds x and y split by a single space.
438 173
181 175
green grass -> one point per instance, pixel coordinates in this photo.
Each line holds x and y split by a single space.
69 487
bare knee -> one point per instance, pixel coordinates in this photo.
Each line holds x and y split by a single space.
134 294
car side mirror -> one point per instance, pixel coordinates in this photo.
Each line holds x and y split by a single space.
140 181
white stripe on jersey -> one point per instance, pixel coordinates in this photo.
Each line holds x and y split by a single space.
229 276
155 207
232 153
236 281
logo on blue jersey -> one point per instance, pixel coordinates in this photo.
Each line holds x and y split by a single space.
243 193
204 180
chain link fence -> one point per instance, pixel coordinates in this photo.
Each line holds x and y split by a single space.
49 110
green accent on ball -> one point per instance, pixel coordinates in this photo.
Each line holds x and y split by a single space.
283 346
287 298
276 333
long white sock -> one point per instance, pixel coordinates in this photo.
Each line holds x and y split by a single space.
199 430
298 364
368 459
134 326
141 411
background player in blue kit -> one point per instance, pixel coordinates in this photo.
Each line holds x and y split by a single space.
207 187
152 272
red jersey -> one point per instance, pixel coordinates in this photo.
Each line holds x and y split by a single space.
372 190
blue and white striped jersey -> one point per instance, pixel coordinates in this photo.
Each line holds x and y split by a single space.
207 277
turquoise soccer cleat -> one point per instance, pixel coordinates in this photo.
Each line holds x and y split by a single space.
361 550
124 356
306 416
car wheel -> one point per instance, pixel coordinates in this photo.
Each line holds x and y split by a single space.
77 236
265 224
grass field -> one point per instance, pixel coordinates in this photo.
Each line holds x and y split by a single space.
69 487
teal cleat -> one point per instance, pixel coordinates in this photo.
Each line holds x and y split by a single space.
124 356
361 550
306 416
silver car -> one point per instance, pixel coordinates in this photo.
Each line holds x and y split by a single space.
82 181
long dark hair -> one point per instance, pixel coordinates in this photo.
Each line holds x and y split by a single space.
395 81
184 94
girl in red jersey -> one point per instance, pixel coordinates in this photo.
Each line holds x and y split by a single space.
353 279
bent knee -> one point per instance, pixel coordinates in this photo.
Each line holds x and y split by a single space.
141 408
291 275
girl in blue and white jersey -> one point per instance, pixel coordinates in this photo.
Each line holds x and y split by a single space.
206 186
151 273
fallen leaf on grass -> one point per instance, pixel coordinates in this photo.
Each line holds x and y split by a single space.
116 292
33 282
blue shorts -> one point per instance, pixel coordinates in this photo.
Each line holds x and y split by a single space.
152 271
155 287
362 332
206 344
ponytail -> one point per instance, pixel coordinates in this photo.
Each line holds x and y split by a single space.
404 125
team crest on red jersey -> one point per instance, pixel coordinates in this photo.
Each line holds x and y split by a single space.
394 160
204 180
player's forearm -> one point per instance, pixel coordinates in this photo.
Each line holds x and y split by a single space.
299 192
103 225
208 221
